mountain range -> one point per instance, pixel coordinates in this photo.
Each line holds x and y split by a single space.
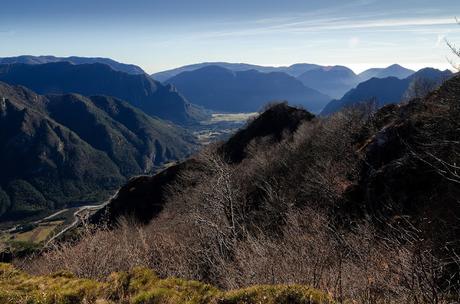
60 150
333 81
383 91
205 87
140 90
337 80
221 89
293 70
71 131
117 66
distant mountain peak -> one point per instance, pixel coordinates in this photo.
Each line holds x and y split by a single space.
117 66
292 70
394 70
215 69
331 80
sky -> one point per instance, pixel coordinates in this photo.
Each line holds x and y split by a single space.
159 35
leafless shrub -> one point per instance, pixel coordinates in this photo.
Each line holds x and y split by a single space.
455 51
419 88
99 252
268 220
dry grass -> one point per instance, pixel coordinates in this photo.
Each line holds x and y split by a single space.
136 287
39 234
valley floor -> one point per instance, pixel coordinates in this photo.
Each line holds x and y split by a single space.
43 231
220 126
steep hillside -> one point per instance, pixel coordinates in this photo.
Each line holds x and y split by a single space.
139 90
63 149
394 70
144 197
217 88
390 90
117 66
409 165
333 81
330 202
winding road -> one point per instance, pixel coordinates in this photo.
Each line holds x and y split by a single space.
77 217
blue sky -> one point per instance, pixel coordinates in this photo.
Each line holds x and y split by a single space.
158 35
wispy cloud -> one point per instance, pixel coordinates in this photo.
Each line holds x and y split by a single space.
335 24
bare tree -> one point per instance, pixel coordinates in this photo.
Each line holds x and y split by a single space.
270 219
455 50
420 87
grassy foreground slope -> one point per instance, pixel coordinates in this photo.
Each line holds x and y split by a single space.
139 286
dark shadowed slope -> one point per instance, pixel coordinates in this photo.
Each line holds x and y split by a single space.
387 90
117 66
272 123
63 149
140 90
144 197
220 89
409 167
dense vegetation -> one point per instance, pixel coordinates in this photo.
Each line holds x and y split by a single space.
60 150
362 205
